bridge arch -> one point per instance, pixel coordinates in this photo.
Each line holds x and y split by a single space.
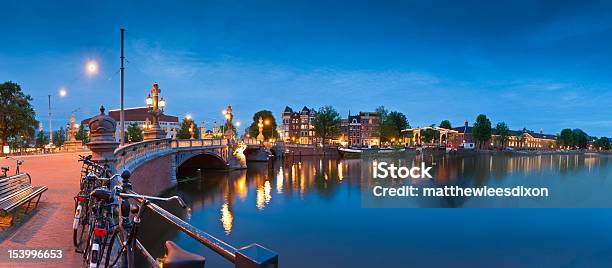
200 160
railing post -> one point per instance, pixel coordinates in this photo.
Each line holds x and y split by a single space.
256 256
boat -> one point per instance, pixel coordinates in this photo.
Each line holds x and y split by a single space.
359 151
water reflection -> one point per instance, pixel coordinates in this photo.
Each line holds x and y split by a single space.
318 200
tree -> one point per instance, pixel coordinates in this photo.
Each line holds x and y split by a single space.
566 138
580 138
393 125
59 137
502 130
382 117
18 143
134 133
603 143
326 123
482 130
445 124
17 117
269 125
183 132
42 139
81 135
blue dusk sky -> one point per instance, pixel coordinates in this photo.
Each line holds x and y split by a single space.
533 64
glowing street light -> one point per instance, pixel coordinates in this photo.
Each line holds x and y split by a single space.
63 92
92 67
162 103
149 101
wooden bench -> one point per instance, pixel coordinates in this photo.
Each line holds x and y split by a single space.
17 190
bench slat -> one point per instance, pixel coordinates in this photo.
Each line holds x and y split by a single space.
17 190
4 192
22 198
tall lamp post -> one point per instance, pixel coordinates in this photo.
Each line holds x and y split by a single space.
229 133
156 108
191 130
260 125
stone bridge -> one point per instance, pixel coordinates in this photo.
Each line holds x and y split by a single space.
154 163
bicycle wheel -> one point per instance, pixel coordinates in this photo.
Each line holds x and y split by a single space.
80 224
116 254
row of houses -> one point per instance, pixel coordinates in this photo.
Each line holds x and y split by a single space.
361 129
356 130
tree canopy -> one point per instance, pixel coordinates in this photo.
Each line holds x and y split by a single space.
326 123
502 130
392 126
445 124
482 129
42 139
269 125
134 133
603 143
183 132
59 137
580 138
17 117
566 138
81 135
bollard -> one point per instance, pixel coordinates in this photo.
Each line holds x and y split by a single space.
256 256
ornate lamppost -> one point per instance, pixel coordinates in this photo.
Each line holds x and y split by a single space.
156 108
191 130
260 125
229 133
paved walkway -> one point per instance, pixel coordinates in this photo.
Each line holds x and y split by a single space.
50 226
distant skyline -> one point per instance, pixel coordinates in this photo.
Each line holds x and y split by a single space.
532 64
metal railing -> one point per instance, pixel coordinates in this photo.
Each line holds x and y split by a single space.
251 256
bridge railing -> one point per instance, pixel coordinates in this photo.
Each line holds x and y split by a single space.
251 141
184 143
130 153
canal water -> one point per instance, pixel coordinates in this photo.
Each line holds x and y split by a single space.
309 210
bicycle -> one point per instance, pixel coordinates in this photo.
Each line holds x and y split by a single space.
80 224
90 173
120 252
18 162
91 166
100 220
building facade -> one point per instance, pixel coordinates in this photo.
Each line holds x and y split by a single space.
518 139
361 129
369 129
297 127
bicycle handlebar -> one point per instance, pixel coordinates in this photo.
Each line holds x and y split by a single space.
146 197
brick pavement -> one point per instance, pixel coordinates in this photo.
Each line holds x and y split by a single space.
49 226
